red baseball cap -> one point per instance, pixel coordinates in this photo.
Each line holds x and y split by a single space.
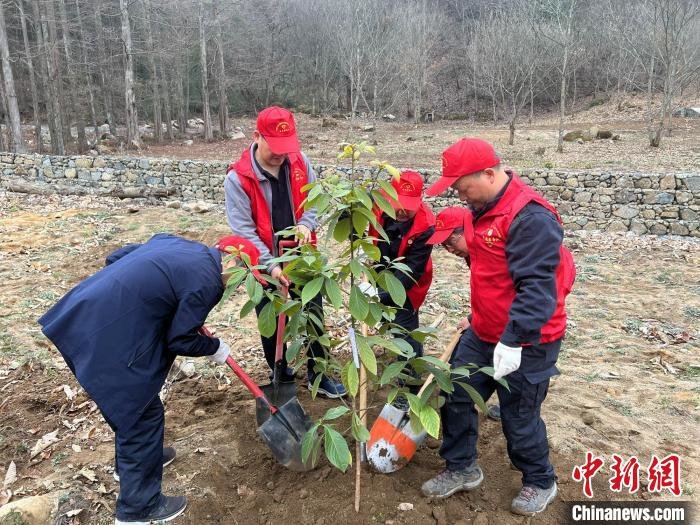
278 128
447 221
409 190
467 156
233 244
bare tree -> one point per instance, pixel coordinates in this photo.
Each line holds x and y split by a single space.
9 83
206 112
33 80
133 137
155 87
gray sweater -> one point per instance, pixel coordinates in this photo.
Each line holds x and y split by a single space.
239 214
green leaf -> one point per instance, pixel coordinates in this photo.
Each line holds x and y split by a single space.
363 197
359 431
350 378
389 189
336 448
247 308
383 203
342 230
314 386
430 420
414 402
335 413
476 397
359 307
293 349
334 292
250 285
359 222
310 446
267 321
357 269
391 371
311 289
367 355
395 289
372 251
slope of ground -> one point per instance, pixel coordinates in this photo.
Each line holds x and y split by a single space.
629 382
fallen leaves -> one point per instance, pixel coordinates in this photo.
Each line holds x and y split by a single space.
42 444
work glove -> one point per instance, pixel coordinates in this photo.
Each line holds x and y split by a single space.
221 354
368 289
506 359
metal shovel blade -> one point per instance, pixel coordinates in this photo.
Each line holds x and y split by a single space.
278 395
392 442
283 433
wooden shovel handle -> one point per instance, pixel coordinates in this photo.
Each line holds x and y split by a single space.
445 357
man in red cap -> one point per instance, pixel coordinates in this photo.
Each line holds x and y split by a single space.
408 235
120 330
520 276
264 202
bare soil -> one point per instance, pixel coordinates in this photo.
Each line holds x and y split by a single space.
409 145
629 382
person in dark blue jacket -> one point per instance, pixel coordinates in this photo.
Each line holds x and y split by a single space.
120 330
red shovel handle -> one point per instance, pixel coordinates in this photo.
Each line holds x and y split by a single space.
245 378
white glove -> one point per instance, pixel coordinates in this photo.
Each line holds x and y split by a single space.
221 354
506 359
368 289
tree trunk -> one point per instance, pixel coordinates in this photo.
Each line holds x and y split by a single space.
32 78
86 72
133 138
55 80
71 72
650 101
13 108
155 88
50 89
562 100
221 81
105 88
206 114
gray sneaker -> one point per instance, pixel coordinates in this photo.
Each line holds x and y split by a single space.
532 500
447 482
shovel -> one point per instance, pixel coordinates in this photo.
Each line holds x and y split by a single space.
285 426
278 393
392 442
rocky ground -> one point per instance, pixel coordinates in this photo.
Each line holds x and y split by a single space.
629 383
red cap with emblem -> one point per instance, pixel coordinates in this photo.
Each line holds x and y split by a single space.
467 156
235 245
278 128
447 221
409 189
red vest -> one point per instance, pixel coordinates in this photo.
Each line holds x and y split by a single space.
423 220
259 207
492 290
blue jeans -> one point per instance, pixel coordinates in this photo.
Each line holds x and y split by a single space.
524 430
139 461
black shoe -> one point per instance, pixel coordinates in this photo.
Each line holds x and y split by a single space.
287 376
168 457
169 508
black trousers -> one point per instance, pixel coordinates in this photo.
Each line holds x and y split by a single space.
139 461
407 318
524 430
269 343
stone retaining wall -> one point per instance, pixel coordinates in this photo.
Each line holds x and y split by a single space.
601 200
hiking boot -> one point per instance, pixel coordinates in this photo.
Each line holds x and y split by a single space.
532 500
494 412
168 457
287 376
169 508
329 388
447 482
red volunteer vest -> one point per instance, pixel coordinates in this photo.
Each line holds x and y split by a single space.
423 220
492 290
259 207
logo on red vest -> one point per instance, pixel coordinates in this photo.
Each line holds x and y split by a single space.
282 127
492 235
298 175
